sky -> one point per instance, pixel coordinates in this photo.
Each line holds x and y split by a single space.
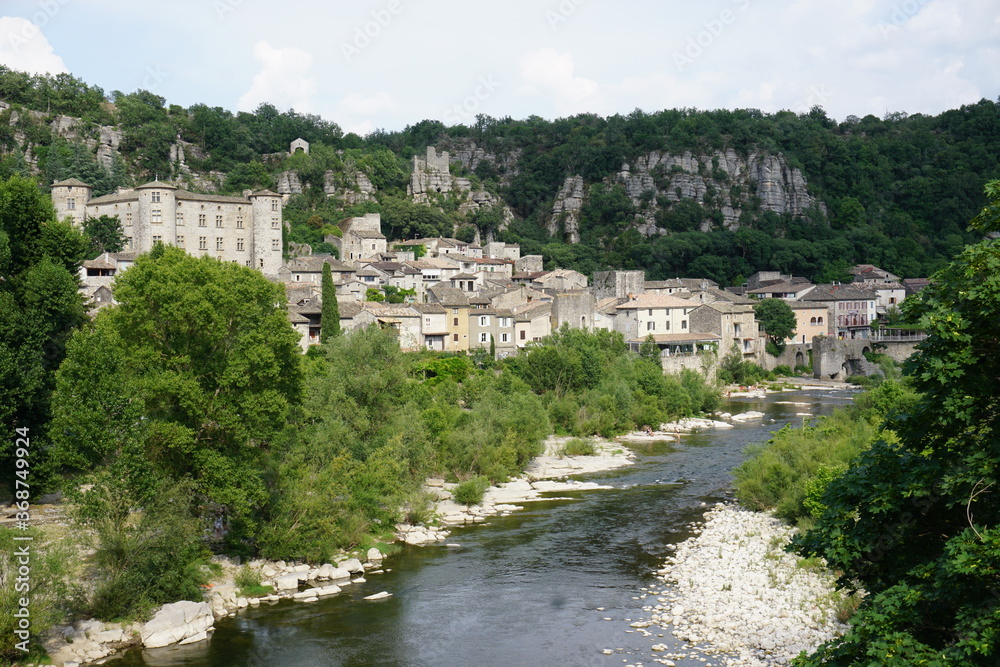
387 64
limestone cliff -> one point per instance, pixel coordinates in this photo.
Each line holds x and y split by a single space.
721 181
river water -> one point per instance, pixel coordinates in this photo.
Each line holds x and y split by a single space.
523 589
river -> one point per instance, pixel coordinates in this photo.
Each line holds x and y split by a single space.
532 588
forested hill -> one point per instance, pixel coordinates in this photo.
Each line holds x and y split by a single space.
715 194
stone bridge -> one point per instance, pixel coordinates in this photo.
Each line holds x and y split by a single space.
837 359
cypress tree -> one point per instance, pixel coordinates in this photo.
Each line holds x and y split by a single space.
330 314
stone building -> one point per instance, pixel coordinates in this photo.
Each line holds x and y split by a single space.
362 239
246 230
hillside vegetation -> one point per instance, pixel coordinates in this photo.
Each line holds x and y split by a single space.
893 191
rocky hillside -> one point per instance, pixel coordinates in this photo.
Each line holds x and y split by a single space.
714 194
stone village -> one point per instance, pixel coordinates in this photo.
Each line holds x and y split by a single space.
468 296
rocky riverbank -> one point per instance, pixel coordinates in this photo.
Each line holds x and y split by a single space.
546 474
733 594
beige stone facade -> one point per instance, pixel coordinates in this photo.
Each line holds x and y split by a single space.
246 230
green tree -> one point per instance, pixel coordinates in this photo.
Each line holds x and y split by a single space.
778 320
650 351
105 234
40 306
330 312
206 357
915 522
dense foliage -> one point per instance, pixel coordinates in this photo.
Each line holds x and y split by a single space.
894 191
914 521
777 320
790 472
39 308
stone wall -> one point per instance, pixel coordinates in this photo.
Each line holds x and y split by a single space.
619 284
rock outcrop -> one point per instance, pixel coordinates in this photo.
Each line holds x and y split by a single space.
721 181
182 622
566 210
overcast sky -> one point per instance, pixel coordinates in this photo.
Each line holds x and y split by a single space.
391 63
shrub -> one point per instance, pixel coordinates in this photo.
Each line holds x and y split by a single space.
247 578
471 491
578 447
782 371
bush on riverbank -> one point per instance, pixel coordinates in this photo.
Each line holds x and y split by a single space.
790 472
52 595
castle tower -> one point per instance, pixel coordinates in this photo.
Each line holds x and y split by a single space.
156 217
70 199
267 228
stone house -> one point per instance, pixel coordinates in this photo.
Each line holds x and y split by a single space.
246 230
850 308
811 319
574 308
309 270
653 314
433 325
733 323
784 290
532 322
361 239
456 305
486 324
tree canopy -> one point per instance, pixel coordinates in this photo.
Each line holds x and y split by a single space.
914 520
195 371
778 320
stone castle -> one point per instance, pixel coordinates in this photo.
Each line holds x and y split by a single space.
244 229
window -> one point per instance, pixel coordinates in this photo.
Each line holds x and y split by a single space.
523 334
155 197
650 312
275 244
504 338
239 222
202 220
128 219
668 325
454 337
454 311
892 300
684 324
71 203
484 320
157 239
274 223
274 204
218 221
455 323
218 243
819 320
505 322
156 216
650 326
128 242
180 219
812 320
202 243
180 241
484 337
239 244
736 329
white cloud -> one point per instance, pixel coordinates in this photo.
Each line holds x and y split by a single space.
356 111
23 47
284 79
548 72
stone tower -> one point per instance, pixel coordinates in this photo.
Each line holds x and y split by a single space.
70 199
266 250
